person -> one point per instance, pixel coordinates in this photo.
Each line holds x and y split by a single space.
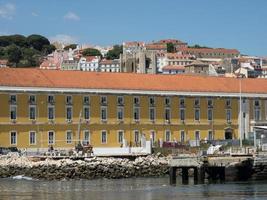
51 148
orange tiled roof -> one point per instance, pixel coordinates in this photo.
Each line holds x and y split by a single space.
173 67
23 77
209 50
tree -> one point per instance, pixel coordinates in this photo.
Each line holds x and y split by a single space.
14 54
4 41
18 40
71 46
37 41
115 52
2 52
170 48
30 57
197 46
91 52
47 49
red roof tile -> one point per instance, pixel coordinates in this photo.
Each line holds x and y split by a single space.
209 50
173 67
23 77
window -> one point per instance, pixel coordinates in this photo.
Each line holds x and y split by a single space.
13 137
136 137
197 135
228 115
256 103
51 99
32 99
120 113
197 114
257 114
120 100
210 135
152 114
86 112
51 137
68 112
151 101
228 102
86 137
68 100
104 137
167 114
103 113
197 102
210 102
182 114
153 136
136 113
32 112
103 100
32 138
182 102
167 101
120 137
210 114
182 136
136 101
51 113
86 100
13 112
13 99
167 136
69 137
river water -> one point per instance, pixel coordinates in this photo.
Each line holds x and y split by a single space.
128 189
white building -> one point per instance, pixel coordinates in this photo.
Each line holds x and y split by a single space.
109 65
89 63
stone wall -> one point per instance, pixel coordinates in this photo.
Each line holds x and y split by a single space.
89 169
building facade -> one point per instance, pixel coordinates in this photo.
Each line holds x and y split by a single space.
61 108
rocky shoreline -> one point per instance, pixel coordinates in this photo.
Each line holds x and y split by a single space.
91 168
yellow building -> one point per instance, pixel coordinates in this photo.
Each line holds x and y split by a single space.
39 108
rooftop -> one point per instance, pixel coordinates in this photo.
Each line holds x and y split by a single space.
34 77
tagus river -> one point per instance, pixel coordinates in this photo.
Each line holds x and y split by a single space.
128 189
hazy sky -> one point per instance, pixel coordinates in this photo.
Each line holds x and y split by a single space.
240 24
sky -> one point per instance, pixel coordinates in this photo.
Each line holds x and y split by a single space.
240 24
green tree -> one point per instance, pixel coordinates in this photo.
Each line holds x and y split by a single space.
91 52
170 48
37 42
71 46
2 52
47 49
115 52
30 57
14 54
18 40
4 41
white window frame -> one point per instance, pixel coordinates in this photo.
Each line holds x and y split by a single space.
71 137
54 99
152 108
138 116
138 103
35 100
118 136
154 136
35 112
122 113
165 136
198 114
54 137
89 136
181 115
15 100
228 120
106 111
30 132
104 131
120 103
86 103
212 135
139 137
105 102
66 99
16 138
67 112
167 109
10 109
197 139
54 112
84 107
210 109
